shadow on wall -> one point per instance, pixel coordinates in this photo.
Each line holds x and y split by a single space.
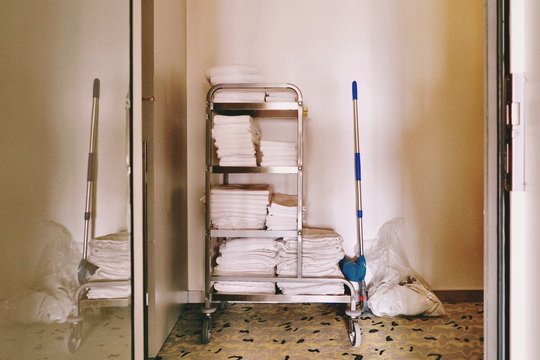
441 148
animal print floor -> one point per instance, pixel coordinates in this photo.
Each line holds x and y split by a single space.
319 331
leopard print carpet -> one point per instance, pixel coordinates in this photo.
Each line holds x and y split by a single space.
319 331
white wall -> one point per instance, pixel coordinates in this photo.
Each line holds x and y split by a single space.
419 66
51 52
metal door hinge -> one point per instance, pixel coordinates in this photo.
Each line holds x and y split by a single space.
515 133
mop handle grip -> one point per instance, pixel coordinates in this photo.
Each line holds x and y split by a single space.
96 88
357 166
354 91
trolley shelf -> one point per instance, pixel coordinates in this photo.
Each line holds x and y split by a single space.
286 108
253 233
253 169
281 298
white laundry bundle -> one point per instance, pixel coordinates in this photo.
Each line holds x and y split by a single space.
111 253
239 206
278 153
282 212
321 252
246 257
237 139
229 74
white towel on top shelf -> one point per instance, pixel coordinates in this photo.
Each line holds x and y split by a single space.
227 74
229 70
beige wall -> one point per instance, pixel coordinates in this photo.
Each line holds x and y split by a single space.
51 52
419 65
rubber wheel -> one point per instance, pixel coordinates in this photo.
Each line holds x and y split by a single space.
355 334
74 339
206 330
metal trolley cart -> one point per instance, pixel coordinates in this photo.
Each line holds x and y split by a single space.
280 107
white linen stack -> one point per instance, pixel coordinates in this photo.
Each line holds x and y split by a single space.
239 206
321 252
237 139
278 153
282 212
111 253
246 257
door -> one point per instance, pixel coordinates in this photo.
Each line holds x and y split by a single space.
160 121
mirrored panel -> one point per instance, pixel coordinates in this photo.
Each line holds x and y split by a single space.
65 264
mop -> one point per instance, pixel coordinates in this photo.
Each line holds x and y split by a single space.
355 269
86 268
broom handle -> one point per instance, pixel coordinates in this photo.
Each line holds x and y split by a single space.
359 213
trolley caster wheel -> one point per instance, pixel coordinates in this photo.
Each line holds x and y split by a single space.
224 305
73 341
355 334
206 330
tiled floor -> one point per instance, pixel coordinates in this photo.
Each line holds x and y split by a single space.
319 331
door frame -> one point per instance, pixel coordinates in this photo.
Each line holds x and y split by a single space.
496 199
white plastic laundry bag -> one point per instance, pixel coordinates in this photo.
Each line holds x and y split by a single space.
394 288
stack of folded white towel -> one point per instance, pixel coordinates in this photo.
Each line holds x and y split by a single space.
111 253
239 206
237 139
229 74
282 212
321 252
278 153
246 257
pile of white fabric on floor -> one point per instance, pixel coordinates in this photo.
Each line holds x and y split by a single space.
321 252
239 206
237 139
246 257
278 153
111 253
282 212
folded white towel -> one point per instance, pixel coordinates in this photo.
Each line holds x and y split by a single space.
236 79
247 260
242 287
230 69
242 189
220 270
249 244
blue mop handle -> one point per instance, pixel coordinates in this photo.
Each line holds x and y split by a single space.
357 166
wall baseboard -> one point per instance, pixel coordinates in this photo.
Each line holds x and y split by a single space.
460 295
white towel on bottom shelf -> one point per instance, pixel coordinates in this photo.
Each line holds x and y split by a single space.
321 253
243 287
109 292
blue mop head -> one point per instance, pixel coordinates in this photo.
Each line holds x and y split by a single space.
354 270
